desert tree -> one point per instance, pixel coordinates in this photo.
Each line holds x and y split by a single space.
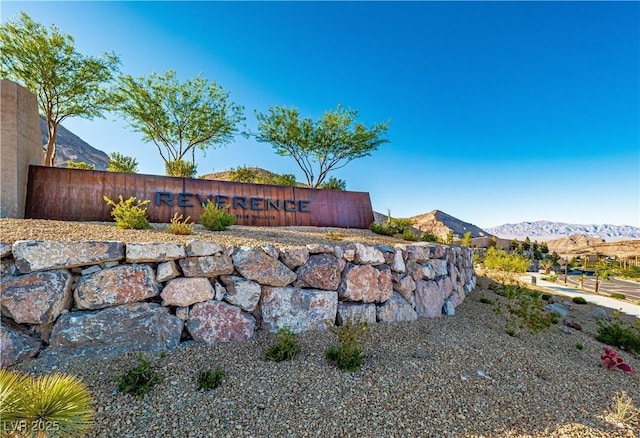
122 163
466 239
178 117
321 146
65 82
449 238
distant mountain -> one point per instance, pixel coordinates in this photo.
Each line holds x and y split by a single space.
70 147
545 230
581 244
440 223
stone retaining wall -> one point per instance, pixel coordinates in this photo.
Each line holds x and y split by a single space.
97 298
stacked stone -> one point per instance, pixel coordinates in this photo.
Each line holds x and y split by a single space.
88 298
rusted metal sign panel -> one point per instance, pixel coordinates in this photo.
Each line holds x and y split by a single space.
76 195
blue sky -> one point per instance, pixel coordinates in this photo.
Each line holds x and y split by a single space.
500 112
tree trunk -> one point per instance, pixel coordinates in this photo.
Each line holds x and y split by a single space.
50 153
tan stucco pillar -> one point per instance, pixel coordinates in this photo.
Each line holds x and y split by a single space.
20 145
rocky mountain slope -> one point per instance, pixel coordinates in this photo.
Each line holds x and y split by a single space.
581 244
73 148
440 223
546 230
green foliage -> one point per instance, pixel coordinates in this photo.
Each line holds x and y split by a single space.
321 146
286 348
526 310
65 82
526 245
57 404
551 277
466 239
579 300
515 245
334 183
209 379
180 226
347 355
580 346
253 175
80 165
409 235
503 262
214 218
545 297
122 163
494 242
180 168
618 296
449 238
178 117
382 229
140 379
485 300
428 236
619 333
130 213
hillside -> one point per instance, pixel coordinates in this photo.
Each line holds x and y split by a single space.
546 230
440 223
70 147
226 175
581 244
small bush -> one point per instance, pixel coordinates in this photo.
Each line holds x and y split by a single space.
428 236
618 296
409 235
612 360
122 163
80 165
347 355
129 214
180 226
551 277
140 379
580 346
545 297
286 348
180 168
382 229
214 218
335 236
485 300
209 379
57 400
579 300
619 333
624 411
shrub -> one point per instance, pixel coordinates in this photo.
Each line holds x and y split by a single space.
500 260
129 214
409 235
428 236
611 360
619 333
214 218
383 230
180 226
526 310
485 300
286 348
252 175
546 297
624 410
122 163
580 346
140 379
618 296
347 355
55 404
209 379
80 165
180 168
579 300
551 277
334 183
335 235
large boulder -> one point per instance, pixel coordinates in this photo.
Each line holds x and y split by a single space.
367 255
365 283
36 298
396 309
429 299
258 265
418 253
183 292
298 310
130 327
321 271
405 286
294 257
214 321
16 346
200 248
439 266
207 266
355 313
38 255
154 252
241 292
114 286
166 271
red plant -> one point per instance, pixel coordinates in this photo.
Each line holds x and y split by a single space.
611 360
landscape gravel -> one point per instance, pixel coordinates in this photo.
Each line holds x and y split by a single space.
453 376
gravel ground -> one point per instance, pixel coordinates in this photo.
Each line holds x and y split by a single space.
453 376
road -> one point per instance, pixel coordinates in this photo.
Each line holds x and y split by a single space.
629 288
